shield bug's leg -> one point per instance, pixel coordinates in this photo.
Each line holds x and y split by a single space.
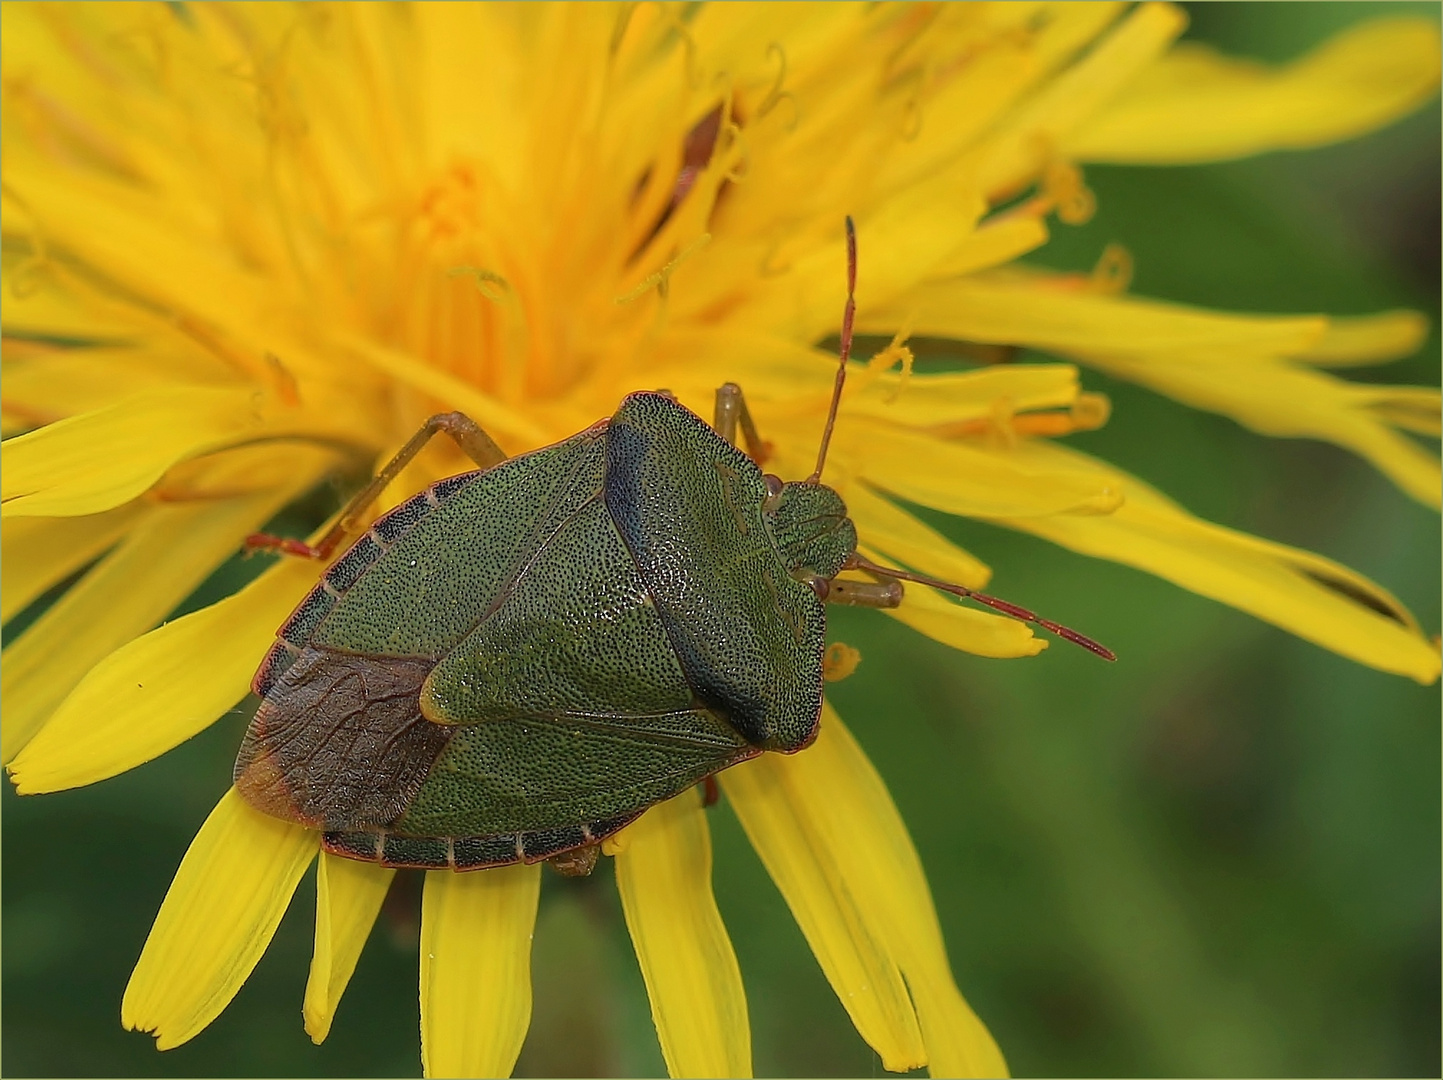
731 411
710 792
875 594
578 862
465 432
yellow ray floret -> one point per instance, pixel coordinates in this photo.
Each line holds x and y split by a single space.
41 552
348 899
663 873
133 587
830 910
833 841
161 688
1195 105
476 963
1310 596
1255 369
222 909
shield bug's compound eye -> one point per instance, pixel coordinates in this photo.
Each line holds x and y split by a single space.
820 586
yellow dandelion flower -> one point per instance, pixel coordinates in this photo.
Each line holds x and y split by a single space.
247 246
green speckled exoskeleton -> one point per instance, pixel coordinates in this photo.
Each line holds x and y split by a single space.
518 661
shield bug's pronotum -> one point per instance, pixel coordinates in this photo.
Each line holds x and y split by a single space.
518 661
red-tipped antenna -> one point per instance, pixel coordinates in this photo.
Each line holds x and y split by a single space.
846 351
858 563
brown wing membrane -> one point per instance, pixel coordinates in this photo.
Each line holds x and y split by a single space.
339 741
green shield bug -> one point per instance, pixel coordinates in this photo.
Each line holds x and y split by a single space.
518 661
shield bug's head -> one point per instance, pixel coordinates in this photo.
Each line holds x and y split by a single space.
810 527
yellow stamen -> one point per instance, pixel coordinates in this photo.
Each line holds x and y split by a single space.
661 277
736 144
491 284
1088 413
894 353
776 95
839 661
1063 186
1113 272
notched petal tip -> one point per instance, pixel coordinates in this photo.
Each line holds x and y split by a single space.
218 916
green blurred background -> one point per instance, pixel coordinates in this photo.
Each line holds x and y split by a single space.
1218 857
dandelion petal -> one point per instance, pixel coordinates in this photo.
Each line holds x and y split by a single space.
779 820
41 552
1285 400
1359 340
92 462
1237 365
977 632
1048 311
1196 105
879 863
130 590
476 969
663 873
1069 100
222 909
930 400
348 897
992 244
160 689
924 469
1305 594
835 794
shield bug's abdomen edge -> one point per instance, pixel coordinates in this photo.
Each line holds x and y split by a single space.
469 852
301 626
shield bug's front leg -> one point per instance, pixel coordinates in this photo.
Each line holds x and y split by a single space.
465 432
731 411
875 594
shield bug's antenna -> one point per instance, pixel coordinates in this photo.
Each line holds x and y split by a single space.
846 350
857 562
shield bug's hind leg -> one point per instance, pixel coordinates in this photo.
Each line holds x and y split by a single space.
464 432
710 792
731 413
578 862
